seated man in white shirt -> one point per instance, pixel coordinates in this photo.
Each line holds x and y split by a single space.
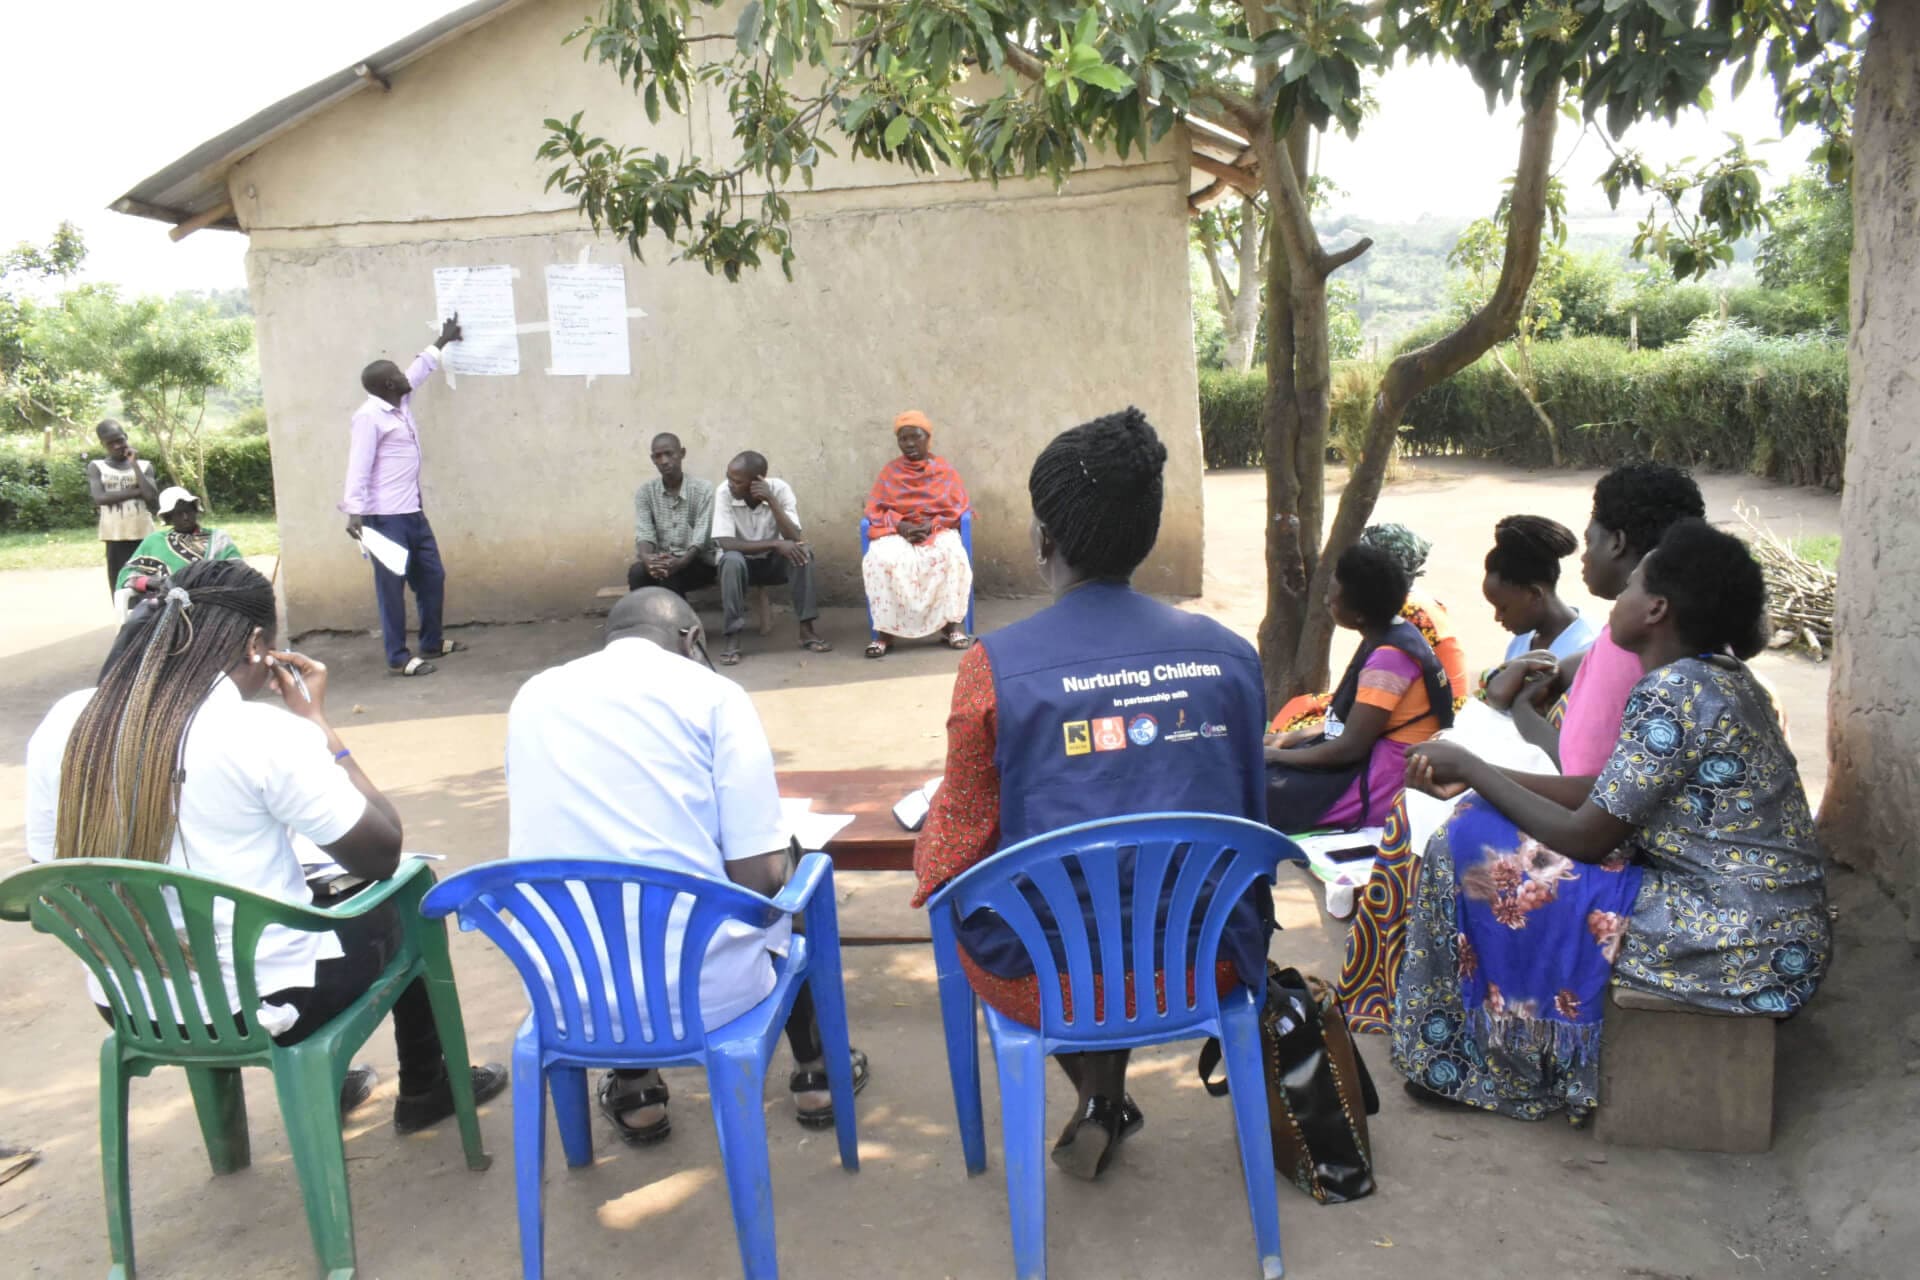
689 787
756 526
250 778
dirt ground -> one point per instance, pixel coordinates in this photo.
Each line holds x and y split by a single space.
1459 1194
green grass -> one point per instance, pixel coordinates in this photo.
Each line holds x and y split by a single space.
256 535
1823 549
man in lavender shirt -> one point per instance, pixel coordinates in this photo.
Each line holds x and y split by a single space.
383 494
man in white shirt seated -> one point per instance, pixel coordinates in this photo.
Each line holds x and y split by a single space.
756 526
642 751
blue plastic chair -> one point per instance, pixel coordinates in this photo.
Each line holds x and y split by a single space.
1184 849
966 541
601 1011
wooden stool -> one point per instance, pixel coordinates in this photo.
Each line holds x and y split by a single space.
1684 1078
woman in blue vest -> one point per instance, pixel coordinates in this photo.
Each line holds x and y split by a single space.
1107 702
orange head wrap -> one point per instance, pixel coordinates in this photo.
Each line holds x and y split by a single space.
912 418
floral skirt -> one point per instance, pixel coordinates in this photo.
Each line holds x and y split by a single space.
1509 949
914 590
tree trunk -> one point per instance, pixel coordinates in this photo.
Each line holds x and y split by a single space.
1296 472
1871 816
1243 317
1415 371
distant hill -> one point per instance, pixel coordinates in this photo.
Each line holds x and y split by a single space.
1403 280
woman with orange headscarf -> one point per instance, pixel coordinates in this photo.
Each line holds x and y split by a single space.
917 574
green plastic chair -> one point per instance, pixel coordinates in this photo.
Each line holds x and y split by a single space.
101 909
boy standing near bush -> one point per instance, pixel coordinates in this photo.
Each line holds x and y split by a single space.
124 491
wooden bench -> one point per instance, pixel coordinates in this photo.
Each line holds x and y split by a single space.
1684 1078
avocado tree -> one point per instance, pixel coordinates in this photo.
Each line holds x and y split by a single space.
1026 88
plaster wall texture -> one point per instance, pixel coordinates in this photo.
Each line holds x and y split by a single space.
1007 314
1871 815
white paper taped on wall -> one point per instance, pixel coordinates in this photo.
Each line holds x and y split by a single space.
489 345
587 319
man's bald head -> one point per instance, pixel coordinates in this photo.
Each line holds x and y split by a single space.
652 613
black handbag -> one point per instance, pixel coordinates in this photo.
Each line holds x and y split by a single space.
1319 1093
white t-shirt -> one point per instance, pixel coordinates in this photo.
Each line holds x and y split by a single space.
1577 638
733 518
634 752
255 776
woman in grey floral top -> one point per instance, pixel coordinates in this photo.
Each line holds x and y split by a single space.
1730 911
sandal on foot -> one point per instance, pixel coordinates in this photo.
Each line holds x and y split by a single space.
731 658
959 640
619 1096
814 1080
413 667
814 644
877 648
447 647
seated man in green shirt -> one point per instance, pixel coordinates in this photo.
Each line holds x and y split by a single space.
165 552
672 525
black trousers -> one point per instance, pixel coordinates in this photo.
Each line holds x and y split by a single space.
118 553
701 573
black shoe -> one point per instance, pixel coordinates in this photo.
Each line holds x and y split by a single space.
357 1087
416 1111
1087 1144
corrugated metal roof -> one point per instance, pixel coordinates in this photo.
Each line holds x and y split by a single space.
196 182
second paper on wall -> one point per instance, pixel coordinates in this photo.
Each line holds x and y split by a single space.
587 319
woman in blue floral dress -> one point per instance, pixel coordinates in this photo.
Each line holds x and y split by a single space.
1699 811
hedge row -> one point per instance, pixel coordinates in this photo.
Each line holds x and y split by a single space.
1777 408
38 491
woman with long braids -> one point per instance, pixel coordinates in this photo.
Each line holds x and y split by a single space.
1048 730
167 762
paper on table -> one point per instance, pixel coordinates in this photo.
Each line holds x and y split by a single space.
391 555
812 830
483 298
587 318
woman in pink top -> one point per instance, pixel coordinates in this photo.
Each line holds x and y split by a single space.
1633 505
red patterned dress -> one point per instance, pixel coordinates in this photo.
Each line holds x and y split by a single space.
964 827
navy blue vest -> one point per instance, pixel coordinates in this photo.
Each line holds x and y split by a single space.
1110 702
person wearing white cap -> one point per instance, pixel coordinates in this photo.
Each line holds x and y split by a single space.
165 552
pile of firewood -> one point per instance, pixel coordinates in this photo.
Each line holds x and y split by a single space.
1799 590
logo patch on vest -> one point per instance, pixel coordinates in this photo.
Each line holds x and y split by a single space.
1143 730
1110 734
1079 740
1210 730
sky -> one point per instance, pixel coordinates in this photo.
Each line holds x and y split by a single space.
100 114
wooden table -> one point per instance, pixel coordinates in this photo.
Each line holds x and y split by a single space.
875 841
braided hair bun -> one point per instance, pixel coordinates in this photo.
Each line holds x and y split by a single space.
1098 490
1527 550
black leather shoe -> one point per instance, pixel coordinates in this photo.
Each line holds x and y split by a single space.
1087 1144
357 1087
416 1111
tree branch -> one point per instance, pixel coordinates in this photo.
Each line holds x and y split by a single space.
1332 262
1237 178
